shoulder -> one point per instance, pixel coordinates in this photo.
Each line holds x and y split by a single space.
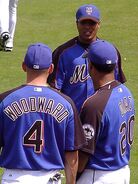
7 93
64 46
94 103
126 90
65 98
99 100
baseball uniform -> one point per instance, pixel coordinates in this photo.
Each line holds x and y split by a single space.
37 125
108 120
71 74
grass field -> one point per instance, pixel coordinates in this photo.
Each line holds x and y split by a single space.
53 22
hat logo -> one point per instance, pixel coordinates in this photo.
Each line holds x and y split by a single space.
35 66
108 62
89 10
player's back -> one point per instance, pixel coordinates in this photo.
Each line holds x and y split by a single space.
35 126
114 108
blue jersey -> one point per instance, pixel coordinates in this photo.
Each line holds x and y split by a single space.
108 119
71 74
37 126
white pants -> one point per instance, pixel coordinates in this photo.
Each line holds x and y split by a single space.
8 17
120 176
15 176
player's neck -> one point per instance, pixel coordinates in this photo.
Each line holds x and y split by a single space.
86 41
105 83
37 82
102 81
37 78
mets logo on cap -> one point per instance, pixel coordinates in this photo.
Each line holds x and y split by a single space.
89 10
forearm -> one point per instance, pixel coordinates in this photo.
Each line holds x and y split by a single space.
71 167
83 159
71 176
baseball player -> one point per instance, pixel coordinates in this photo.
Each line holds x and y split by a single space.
8 18
71 74
108 119
40 131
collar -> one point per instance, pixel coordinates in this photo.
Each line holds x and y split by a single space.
84 45
109 85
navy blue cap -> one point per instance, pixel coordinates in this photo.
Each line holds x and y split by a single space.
38 56
102 52
88 11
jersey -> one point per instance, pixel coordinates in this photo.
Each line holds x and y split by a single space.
37 126
71 74
108 120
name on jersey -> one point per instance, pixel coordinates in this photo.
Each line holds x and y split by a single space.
125 105
39 104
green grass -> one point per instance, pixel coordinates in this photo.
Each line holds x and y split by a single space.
53 22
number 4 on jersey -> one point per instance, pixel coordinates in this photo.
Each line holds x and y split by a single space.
34 137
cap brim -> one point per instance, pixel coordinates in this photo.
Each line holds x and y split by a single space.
88 18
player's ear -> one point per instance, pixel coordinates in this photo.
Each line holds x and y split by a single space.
90 66
99 24
50 69
23 66
77 24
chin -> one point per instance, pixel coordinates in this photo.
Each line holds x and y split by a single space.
85 39
88 40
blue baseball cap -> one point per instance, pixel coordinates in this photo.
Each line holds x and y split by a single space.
88 12
102 52
38 56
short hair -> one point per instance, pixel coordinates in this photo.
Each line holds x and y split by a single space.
105 68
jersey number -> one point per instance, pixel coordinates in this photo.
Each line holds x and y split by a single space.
34 137
127 134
